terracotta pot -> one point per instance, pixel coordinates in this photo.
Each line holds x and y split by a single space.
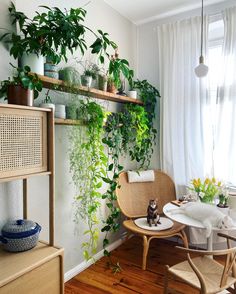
111 87
20 96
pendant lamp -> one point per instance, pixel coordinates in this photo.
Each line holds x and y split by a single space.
201 70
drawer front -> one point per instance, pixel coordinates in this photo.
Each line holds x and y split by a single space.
23 142
45 279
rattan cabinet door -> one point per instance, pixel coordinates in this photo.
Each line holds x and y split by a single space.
23 142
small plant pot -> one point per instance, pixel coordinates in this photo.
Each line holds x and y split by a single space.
51 70
102 82
71 112
34 61
60 111
20 96
69 75
224 210
86 81
132 94
111 87
48 105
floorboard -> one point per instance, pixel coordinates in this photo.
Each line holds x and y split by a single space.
99 279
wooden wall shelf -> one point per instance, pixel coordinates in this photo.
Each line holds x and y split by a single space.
68 122
59 85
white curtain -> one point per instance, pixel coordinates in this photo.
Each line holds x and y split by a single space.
183 103
225 141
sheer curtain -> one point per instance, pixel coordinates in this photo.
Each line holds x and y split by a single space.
225 141
183 103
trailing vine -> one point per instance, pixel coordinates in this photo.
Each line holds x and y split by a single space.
124 132
88 162
129 132
138 134
148 94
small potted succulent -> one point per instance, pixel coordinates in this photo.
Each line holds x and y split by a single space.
47 102
90 73
223 199
22 88
132 92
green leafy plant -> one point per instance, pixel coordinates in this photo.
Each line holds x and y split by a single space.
24 79
91 70
137 128
117 67
114 143
53 33
88 164
148 94
47 98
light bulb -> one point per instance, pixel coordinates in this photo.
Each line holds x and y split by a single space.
201 70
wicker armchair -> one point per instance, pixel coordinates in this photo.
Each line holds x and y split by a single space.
133 199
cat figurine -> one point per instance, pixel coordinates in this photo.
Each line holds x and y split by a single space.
152 213
208 214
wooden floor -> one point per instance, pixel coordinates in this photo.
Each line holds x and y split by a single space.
98 278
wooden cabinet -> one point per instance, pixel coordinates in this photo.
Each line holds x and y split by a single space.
27 149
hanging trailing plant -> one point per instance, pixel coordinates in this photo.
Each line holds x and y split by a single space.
124 132
88 163
148 94
137 126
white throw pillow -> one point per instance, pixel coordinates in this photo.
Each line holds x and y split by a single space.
141 176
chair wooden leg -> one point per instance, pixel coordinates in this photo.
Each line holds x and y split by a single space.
145 251
184 238
166 280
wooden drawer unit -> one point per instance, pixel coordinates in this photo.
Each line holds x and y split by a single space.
37 271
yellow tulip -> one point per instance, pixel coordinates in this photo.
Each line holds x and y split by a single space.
207 181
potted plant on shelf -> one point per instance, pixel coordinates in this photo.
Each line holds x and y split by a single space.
52 34
90 73
111 88
47 102
117 67
223 199
22 89
47 34
132 92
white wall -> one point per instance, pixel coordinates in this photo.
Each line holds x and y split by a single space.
147 63
68 235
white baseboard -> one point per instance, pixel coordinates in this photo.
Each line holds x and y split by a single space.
85 264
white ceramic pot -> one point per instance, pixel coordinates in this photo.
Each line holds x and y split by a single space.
60 111
132 94
48 105
35 62
86 81
224 210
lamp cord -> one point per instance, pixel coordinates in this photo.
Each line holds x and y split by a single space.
202 30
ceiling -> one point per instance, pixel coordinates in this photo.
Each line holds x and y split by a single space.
142 11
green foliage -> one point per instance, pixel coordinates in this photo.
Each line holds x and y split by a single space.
22 78
101 44
114 142
148 95
117 67
53 33
91 70
88 163
137 132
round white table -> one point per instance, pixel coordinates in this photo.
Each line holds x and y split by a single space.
188 221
